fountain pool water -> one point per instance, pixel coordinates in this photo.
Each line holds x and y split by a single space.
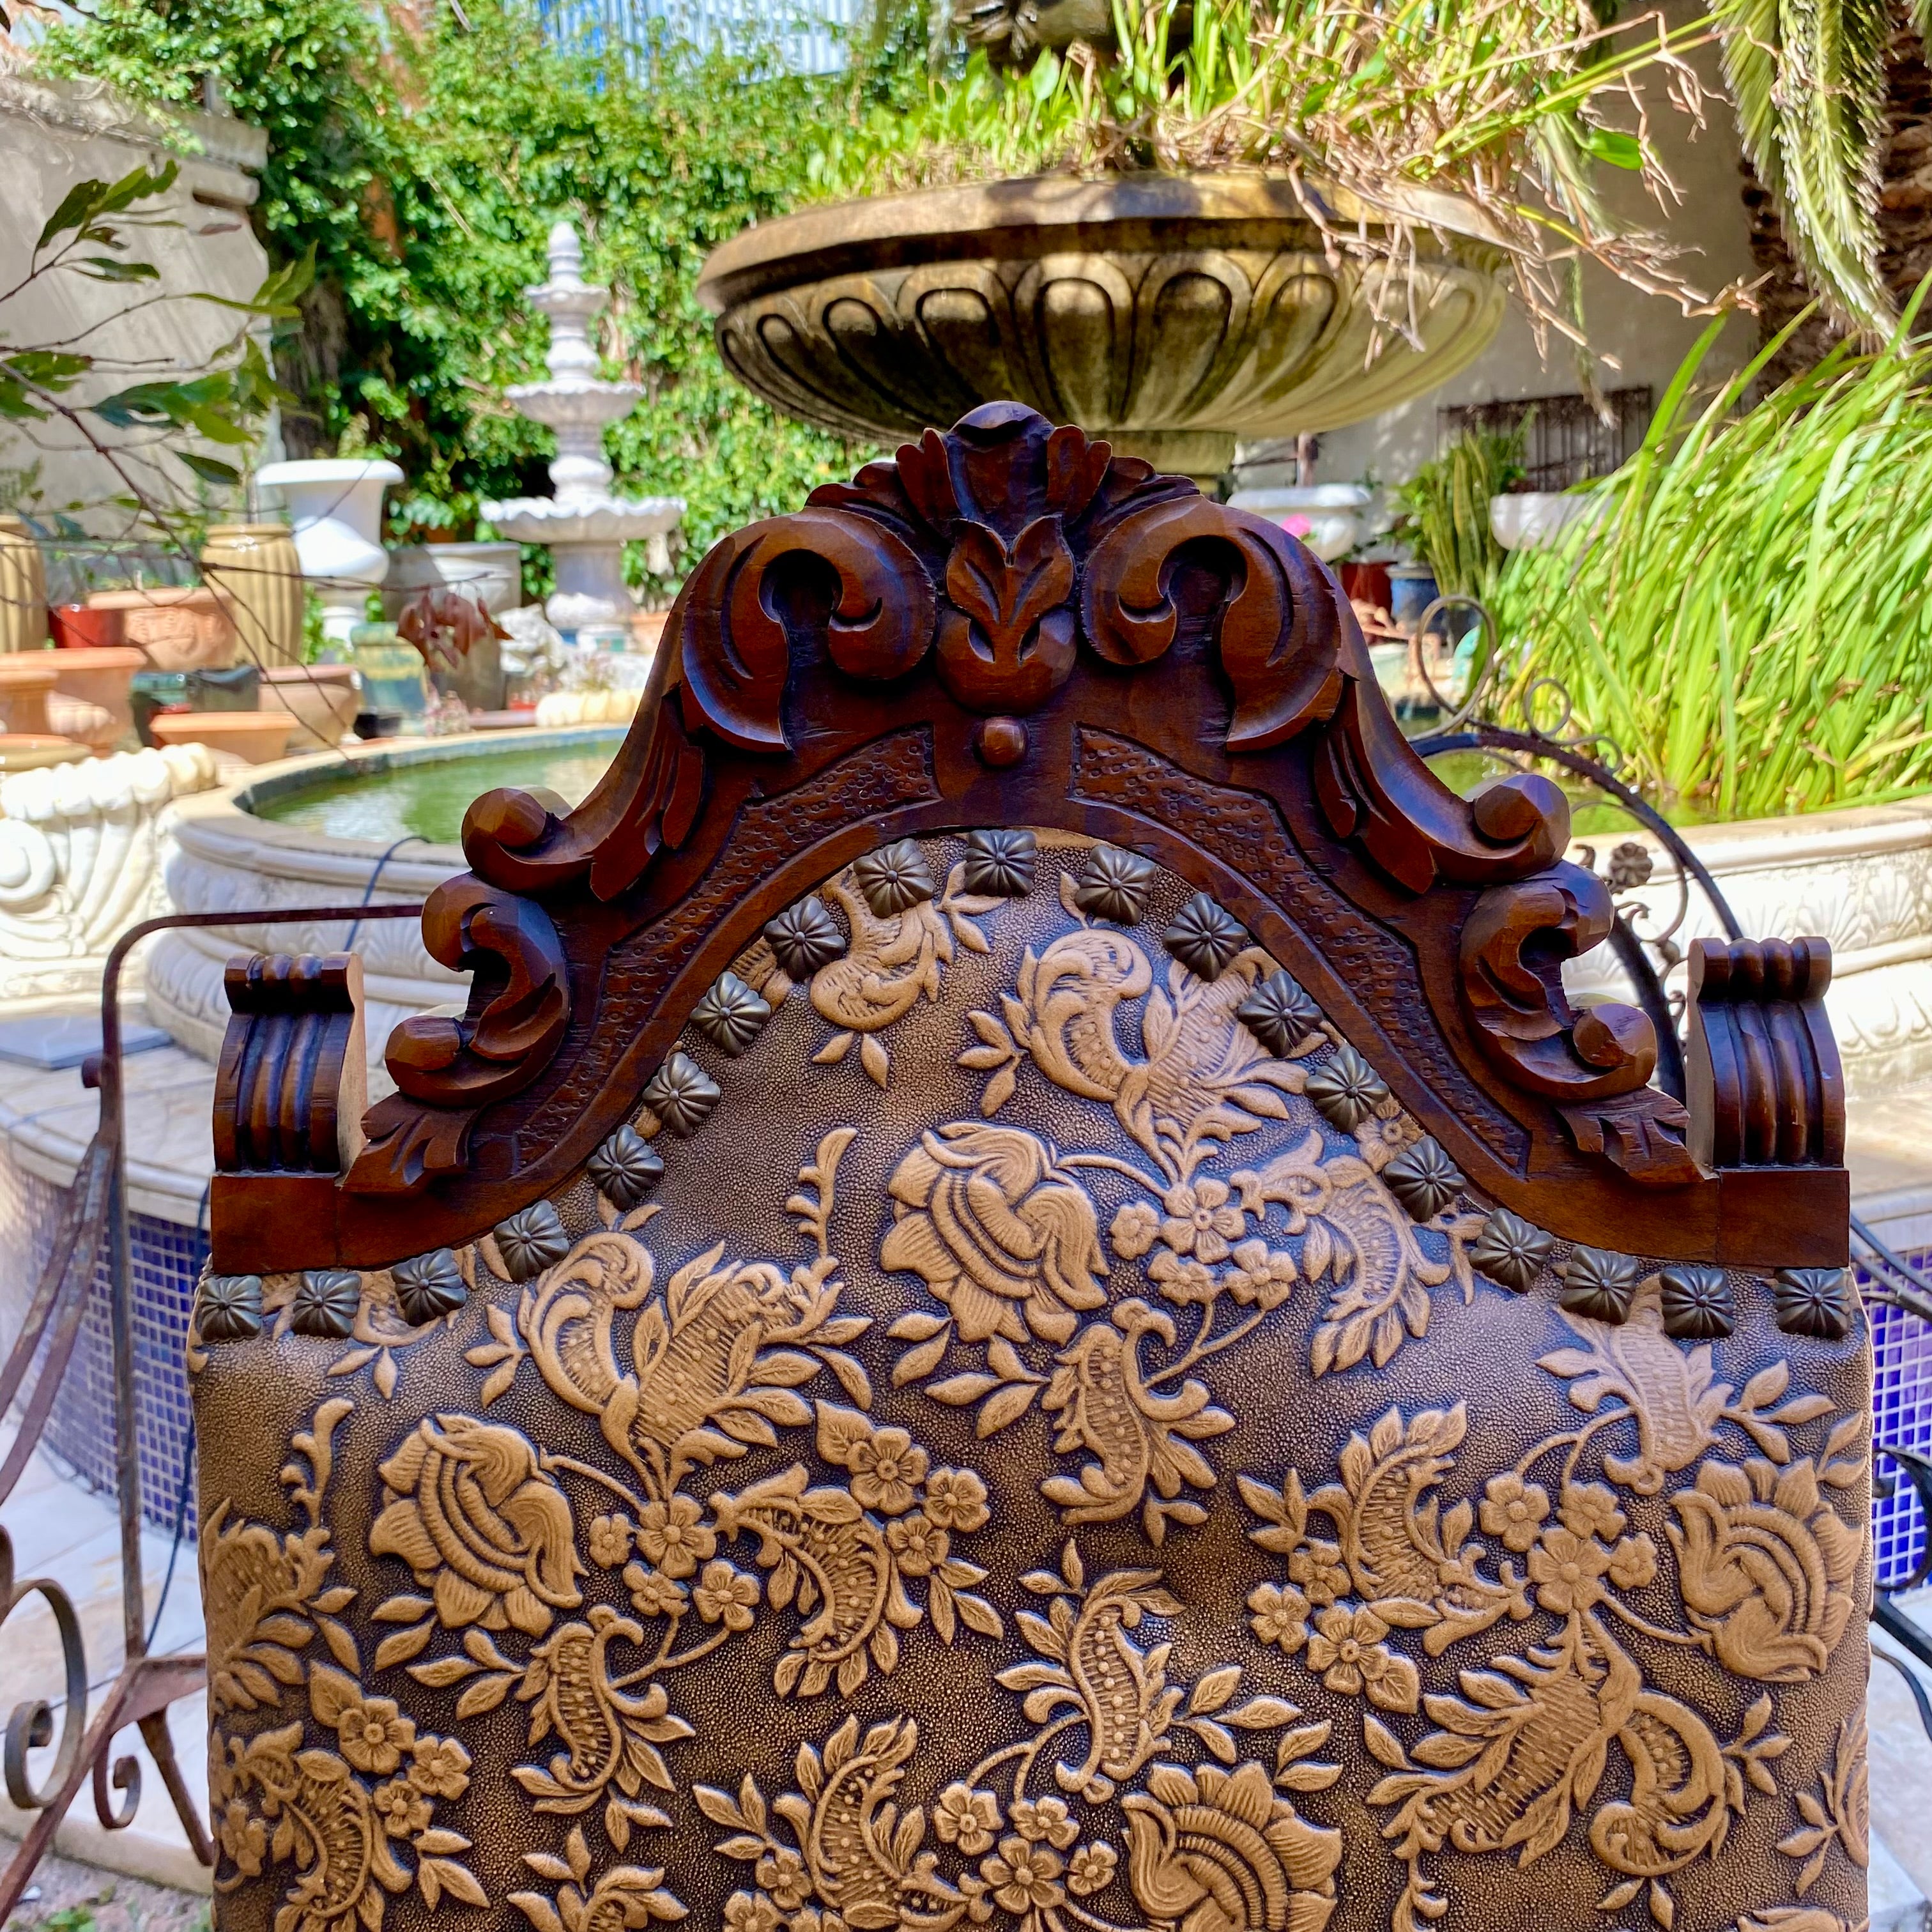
425 797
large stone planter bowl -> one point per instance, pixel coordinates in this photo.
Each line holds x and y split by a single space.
1168 313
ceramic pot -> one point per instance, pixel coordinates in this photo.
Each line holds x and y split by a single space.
321 699
25 679
1327 517
1412 590
99 676
393 678
86 627
256 573
1528 519
23 588
335 509
255 737
492 573
176 627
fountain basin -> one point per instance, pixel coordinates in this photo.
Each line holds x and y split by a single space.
379 824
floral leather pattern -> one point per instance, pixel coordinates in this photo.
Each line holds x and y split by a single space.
1024 1462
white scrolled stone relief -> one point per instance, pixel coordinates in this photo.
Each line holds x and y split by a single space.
224 858
83 849
1861 878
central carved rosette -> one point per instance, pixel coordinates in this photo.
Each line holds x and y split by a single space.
1084 1459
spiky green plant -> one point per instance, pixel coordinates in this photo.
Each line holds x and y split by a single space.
1750 619
1808 79
1446 508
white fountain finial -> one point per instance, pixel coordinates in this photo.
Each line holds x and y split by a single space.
566 255
584 524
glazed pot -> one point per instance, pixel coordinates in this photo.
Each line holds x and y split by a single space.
255 572
335 508
255 737
23 588
32 751
86 627
176 627
1166 312
1527 519
321 699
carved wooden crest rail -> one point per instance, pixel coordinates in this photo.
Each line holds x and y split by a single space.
1020 1302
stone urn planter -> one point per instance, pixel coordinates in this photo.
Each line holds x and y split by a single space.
335 505
1167 312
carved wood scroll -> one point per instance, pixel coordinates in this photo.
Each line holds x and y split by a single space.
942 643
288 1092
1762 1066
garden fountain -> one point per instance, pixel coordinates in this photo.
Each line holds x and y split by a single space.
585 527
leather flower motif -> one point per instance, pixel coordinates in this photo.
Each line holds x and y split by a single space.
1197 1838
1005 1239
1766 1566
625 1168
229 1307
325 1302
481 1526
429 1286
1347 1647
1279 1013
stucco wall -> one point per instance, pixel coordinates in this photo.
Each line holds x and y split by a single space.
52 134
1647 335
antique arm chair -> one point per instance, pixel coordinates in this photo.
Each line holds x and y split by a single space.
1020 1302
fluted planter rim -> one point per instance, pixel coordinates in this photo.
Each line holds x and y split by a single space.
1025 215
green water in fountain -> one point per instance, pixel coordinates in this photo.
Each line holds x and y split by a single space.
425 794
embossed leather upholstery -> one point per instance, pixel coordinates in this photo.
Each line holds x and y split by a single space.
1017 1421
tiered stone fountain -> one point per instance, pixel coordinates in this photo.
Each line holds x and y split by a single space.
584 525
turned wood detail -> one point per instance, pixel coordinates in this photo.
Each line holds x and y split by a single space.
1761 1065
289 1089
987 603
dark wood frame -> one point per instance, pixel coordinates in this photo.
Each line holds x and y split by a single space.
1009 626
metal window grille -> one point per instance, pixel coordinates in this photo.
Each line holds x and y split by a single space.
1566 441
804 33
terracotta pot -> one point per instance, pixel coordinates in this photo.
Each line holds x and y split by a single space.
99 676
23 588
83 627
1167 312
255 737
321 699
29 751
25 679
255 573
177 627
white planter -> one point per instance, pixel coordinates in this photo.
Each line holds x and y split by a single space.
1337 513
1860 877
491 572
1535 517
81 850
335 506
